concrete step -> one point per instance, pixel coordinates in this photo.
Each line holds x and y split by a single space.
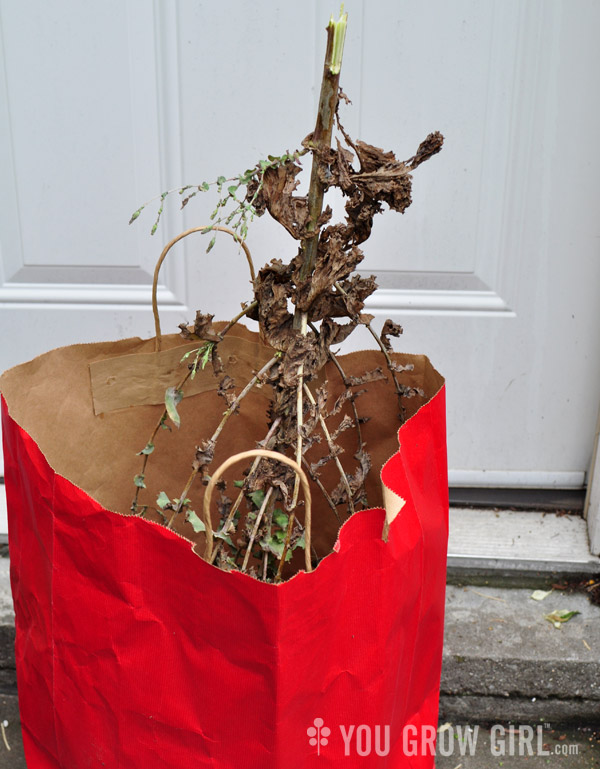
476 746
504 661
518 548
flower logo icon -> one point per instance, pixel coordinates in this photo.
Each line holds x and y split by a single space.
318 734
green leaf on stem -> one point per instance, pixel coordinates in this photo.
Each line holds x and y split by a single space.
196 521
280 518
257 497
275 545
225 537
208 348
163 500
135 215
173 398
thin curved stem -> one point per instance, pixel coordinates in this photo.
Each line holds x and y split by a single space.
248 308
327 435
218 431
180 386
315 479
386 355
240 497
160 422
257 523
348 386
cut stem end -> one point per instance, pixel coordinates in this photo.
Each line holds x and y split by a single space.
339 36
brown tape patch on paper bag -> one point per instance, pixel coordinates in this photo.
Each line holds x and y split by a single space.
94 439
140 379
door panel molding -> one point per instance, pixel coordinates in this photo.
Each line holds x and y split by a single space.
156 154
85 293
434 292
407 301
508 132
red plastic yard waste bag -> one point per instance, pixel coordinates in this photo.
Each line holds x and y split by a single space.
134 653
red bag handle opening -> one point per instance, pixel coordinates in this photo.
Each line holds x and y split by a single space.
161 259
276 455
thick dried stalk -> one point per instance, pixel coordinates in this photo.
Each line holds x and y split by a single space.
320 140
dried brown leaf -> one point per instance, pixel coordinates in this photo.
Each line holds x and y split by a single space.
389 329
345 424
334 451
271 473
339 404
336 168
374 375
223 508
227 389
276 196
205 453
302 350
272 288
430 146
185 333
203 327
216 362
356 480
334 263
333 304
399 368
